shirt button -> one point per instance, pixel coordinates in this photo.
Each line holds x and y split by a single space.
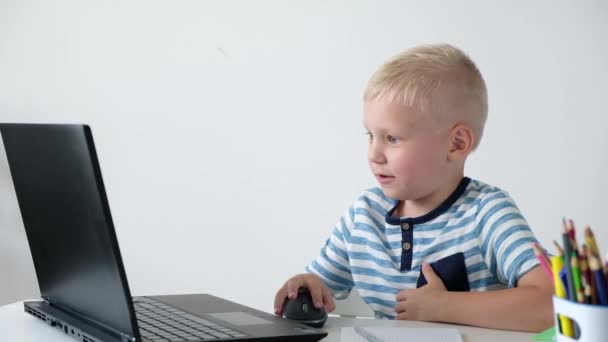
405 226
407 246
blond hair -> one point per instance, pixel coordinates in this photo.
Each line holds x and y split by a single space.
438 79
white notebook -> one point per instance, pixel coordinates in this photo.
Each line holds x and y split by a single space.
379 334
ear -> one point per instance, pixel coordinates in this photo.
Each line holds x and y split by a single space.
462 139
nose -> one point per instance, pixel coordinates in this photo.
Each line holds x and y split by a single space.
375 153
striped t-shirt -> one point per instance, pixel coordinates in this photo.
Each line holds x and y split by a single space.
380 255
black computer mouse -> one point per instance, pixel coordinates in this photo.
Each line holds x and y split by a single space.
302 310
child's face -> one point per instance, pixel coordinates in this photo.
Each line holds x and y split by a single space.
408 151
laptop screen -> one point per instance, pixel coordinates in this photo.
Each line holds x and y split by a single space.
67 221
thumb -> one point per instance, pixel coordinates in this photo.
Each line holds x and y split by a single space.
431 277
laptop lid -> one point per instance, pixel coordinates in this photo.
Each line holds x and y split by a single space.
68 224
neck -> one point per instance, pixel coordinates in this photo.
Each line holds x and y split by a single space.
424 205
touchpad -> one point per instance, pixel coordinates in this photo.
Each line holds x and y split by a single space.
239 318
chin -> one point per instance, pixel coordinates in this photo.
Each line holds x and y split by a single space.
392 193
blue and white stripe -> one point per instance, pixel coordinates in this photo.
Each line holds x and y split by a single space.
364 250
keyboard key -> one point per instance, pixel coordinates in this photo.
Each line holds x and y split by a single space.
160 322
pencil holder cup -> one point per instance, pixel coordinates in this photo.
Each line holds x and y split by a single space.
591 320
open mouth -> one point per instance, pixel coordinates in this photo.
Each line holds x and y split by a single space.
384 179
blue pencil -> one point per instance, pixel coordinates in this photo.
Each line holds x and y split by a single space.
600 280
562 276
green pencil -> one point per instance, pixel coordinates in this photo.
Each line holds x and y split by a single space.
576 277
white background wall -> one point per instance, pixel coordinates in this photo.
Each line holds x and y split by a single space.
229 132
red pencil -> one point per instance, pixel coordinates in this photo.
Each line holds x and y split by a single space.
586 271
571 230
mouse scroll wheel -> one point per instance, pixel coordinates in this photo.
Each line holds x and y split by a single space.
304 307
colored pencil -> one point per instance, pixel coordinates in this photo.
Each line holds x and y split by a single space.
586 272
571 292
571 229
580 296
542 258
606 267
588 299
560 250
577 278
560 292
572 233
600 280
590 240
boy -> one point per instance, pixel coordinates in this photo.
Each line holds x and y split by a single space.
425 111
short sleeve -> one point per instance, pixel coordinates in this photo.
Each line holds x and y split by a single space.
505 238
332 265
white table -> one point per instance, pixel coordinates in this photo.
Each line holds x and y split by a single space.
16 325
469 334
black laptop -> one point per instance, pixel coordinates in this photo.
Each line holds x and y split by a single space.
82 280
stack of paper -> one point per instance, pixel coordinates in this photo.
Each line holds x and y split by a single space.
379 334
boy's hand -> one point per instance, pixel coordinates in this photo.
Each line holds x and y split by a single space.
321 295
422 304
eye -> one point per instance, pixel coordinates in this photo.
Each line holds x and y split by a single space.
392 139
370 136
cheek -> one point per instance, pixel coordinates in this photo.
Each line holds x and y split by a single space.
419 163
407 165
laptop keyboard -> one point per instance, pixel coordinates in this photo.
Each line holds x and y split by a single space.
161 322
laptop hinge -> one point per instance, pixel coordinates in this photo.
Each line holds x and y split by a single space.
88 320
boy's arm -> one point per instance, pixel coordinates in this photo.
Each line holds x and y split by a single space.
332 265
505 243
328 275
526 307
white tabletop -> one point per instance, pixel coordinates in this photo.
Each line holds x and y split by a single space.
16 325
468 334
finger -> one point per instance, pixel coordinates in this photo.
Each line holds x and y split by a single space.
293 285
279 299
402 295
402 316
316 293
328 300
400 307
430 275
